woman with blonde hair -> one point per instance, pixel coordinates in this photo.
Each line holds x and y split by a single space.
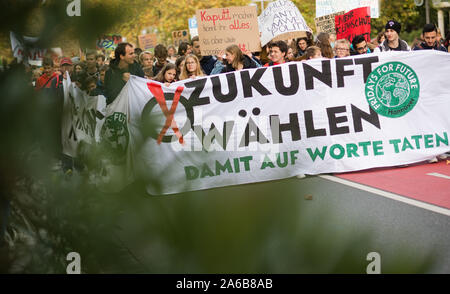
235 59
342 48
191 68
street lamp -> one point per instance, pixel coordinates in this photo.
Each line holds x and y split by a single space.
262 3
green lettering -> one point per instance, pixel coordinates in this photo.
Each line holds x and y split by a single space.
351 150
395 142
416 139
406 145
191 172
428 141
285 159
206 171
317 153
377 147
246 161
443 140
341 151
267 163
364 146
223 168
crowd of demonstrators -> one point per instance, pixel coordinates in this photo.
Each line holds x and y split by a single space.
100 74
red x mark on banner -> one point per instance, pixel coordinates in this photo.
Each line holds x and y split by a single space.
169 114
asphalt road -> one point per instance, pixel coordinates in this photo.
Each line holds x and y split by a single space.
392 223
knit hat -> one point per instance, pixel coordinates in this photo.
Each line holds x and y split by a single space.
393 25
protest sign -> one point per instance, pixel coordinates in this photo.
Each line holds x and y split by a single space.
193 26
281 20
355 22
312 117
108 42
325 7
326 23
180 36
219 28
22 44
82 116
147 41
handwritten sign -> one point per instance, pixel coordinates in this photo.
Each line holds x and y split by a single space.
219 28
147 41
355 22
281 20
180 36
108 42
326 23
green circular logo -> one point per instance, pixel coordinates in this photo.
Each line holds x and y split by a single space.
115 136
392 89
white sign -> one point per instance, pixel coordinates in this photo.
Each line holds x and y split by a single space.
35 55
313 117
193 27
325 7
82 117
279 18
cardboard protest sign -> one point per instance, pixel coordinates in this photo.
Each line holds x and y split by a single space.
180 36
147 41
281 20
108 42
325 7
326 23
355 22
219 28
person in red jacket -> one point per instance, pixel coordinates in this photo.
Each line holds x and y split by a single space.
45 80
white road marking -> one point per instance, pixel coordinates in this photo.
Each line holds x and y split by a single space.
389 195
439 175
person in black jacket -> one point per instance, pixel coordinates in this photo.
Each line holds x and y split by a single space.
430 41
207 62
236 60
121 67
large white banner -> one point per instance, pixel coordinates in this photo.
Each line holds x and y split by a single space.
325 7
281 17
313 117
82 117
